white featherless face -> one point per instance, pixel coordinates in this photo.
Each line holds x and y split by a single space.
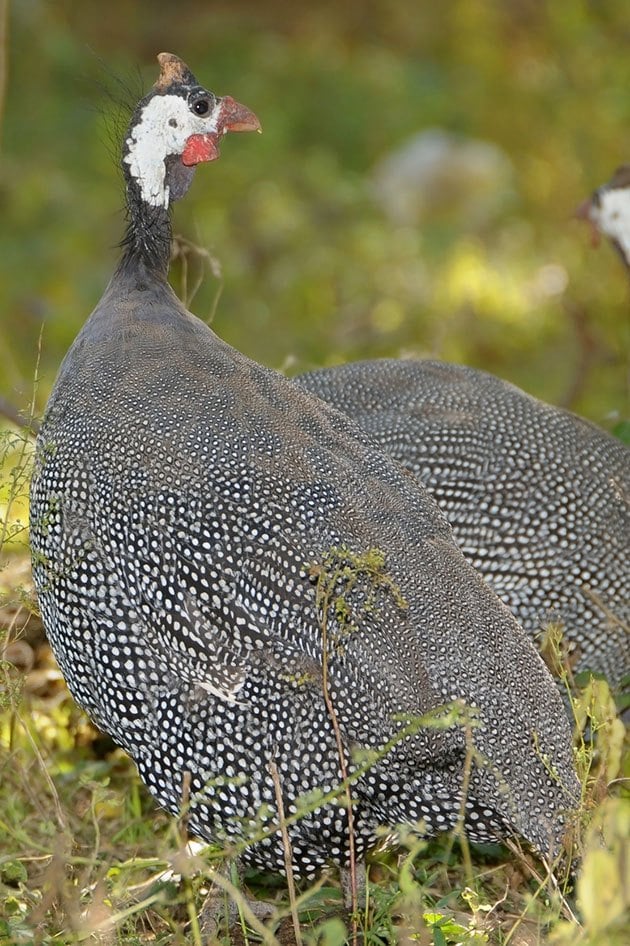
164 127
611 215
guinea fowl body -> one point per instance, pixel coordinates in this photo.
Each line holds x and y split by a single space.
537 497
184 507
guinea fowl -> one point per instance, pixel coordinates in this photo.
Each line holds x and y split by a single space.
538 498
608 210
231 575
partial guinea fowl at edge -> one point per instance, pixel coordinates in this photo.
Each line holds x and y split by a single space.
608 212
193 516
538 498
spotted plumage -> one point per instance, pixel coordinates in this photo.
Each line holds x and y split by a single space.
221 559
539 499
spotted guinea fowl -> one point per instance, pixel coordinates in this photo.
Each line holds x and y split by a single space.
608 210
539 499
231 574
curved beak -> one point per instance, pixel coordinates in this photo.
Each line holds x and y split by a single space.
232 116
236 117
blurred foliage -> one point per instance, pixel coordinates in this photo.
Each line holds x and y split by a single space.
313 271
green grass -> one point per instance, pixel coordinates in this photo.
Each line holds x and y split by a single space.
85 856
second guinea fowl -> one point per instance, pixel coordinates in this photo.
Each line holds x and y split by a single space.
539 499
608 210
232 575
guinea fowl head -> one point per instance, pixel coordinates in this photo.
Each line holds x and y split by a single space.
608 212
178 125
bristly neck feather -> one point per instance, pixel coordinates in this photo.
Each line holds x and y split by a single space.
154 177
148 235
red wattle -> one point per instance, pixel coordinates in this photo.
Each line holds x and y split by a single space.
200 148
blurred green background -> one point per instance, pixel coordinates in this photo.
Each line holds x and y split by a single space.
480 263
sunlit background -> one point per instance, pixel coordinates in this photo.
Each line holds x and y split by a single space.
413 191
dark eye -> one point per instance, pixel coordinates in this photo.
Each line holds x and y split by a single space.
201 107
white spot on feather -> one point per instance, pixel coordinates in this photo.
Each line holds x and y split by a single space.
222 690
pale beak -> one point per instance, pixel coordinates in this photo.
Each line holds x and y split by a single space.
232 117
